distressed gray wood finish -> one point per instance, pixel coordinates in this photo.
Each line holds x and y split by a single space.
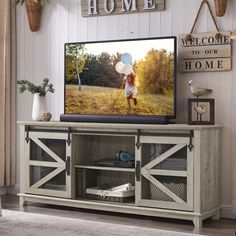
62 23
55 162
85 147
147 172
104 7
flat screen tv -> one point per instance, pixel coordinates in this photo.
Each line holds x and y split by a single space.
125 81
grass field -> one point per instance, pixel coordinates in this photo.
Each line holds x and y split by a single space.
102 100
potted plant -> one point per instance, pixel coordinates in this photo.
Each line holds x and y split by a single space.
39 91
34 10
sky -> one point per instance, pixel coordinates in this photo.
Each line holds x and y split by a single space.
137 49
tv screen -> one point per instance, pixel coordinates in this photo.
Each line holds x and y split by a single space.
120 81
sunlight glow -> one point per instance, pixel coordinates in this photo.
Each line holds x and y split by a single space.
137 49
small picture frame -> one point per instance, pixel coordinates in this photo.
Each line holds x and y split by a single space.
201 111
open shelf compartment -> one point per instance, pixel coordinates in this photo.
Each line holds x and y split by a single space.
100 182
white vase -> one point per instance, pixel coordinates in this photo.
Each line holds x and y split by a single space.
39 106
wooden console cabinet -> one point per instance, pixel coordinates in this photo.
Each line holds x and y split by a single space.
176 172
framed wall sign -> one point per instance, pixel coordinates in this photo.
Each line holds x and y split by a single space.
115 7
205 52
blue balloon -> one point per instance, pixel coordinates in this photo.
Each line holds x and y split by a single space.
126 58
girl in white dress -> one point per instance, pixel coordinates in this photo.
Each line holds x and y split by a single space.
130 89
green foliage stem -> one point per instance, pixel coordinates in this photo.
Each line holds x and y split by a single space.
42 89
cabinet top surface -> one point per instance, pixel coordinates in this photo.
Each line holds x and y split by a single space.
55 124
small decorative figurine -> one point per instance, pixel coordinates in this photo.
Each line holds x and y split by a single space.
197 91
201 111
46 116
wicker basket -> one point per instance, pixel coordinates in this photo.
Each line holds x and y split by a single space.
34 14
220 6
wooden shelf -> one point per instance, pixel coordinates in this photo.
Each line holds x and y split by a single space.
105 168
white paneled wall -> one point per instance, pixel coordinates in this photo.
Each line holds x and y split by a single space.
41 55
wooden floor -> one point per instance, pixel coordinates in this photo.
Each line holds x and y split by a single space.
222 227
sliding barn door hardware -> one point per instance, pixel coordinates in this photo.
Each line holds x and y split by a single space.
190 145
138 144
69 131
27 129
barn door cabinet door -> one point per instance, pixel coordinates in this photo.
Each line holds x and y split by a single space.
48 164
164 173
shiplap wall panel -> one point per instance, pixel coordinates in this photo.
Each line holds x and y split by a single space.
154 24
45 43
226 108
92 28
81 26
62 22
54 60
73 9
133 26
143 25
102 28
22 111
63 27
213 78
122 26
166 19
177 19
233 116
112 27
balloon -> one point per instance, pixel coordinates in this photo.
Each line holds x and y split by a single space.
124 69
127 69
126 58
119 67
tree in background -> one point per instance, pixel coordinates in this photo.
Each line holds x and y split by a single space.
75 61
100 71
155 73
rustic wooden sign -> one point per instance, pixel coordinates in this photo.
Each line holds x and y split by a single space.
205 52
114 7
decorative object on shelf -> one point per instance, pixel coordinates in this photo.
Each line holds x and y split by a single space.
205 51
121 193
201 111
46 116
220 7
124 156
34 11
39 107
39 91
111 162
198 91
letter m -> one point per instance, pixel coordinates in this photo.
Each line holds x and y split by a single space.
128 5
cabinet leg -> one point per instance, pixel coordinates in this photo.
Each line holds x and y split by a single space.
197 221
22 202
216 216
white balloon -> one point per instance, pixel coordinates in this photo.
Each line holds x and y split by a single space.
127 69
119 67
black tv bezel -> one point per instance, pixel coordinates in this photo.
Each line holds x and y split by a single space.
132 119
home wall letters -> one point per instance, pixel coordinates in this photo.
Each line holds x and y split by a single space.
114 7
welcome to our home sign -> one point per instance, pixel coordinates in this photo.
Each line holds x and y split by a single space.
205 52
112 7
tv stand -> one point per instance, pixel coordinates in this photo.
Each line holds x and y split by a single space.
176 172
